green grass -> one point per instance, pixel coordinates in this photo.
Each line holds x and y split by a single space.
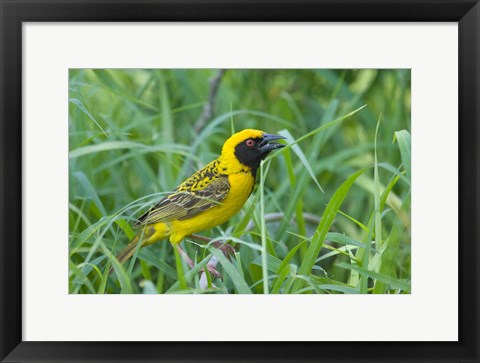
331 210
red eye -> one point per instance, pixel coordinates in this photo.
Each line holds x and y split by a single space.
250 143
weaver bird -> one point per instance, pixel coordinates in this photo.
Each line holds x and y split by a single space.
208 198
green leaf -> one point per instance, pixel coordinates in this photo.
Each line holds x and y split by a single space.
90 191
174 289
123 277
284 268
272 262
239 282
317 130
323 227
125 227
394 284
296 149
119 145
403 139
167 121
81 106
341 238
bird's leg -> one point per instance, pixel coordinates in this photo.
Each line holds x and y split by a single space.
184 255
203 282
227 250
212 270
191 264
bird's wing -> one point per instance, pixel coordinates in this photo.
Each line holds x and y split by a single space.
189 199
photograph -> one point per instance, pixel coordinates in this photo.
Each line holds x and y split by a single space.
303 175
239 181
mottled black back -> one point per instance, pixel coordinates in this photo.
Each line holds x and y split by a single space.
205 189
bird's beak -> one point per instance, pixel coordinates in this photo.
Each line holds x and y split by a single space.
265 147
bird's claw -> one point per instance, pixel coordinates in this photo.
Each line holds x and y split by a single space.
214 272
227 250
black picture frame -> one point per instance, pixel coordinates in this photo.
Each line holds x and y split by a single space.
14 13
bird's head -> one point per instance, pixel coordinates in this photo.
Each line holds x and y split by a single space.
248 148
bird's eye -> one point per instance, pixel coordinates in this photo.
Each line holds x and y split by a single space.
250 143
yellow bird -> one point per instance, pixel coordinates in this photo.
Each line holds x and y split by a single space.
208 198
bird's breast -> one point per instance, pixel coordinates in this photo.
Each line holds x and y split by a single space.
241 186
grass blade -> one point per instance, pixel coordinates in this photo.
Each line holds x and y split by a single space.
393 283
81 106
323 228
238 281
263 231
90 191
296 149
404 143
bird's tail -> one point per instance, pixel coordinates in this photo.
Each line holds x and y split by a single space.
145 237
128 251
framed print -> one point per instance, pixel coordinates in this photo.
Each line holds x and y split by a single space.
251 181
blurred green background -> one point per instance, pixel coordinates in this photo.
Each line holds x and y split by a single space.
135 132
